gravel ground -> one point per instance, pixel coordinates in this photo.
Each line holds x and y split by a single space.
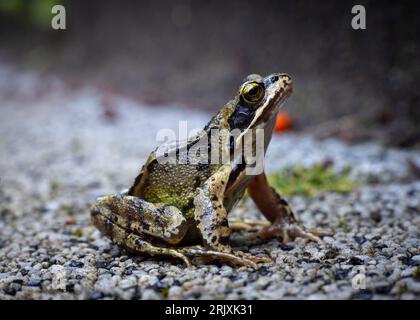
59 152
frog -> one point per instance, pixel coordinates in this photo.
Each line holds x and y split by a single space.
180 209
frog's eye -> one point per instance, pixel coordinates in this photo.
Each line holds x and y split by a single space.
252 92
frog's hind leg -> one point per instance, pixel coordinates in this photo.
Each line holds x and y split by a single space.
133 242
130 222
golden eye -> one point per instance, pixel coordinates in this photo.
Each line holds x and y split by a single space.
252 92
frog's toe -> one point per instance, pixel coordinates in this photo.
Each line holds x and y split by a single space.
210 255
289 232
246 224
297 232
250 257
322 233
247 263
260 260
183 257
240 258
239 262
311 235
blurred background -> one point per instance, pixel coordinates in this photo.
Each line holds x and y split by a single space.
80 110
353 84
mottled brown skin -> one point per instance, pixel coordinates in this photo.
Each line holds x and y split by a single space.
181 209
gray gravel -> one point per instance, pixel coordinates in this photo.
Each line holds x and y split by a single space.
58 153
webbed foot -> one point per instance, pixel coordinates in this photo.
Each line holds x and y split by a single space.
289 232
236 258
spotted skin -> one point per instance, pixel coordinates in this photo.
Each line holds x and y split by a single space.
180 209
131 241
210 214
161 221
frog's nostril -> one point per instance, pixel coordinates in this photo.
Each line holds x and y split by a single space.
274 78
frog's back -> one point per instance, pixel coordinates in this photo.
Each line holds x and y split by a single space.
170 183
175 183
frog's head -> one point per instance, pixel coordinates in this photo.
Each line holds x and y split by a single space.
259 100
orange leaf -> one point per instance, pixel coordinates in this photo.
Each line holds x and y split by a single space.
283 122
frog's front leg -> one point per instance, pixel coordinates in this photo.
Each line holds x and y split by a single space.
136 224
211 217
279 213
